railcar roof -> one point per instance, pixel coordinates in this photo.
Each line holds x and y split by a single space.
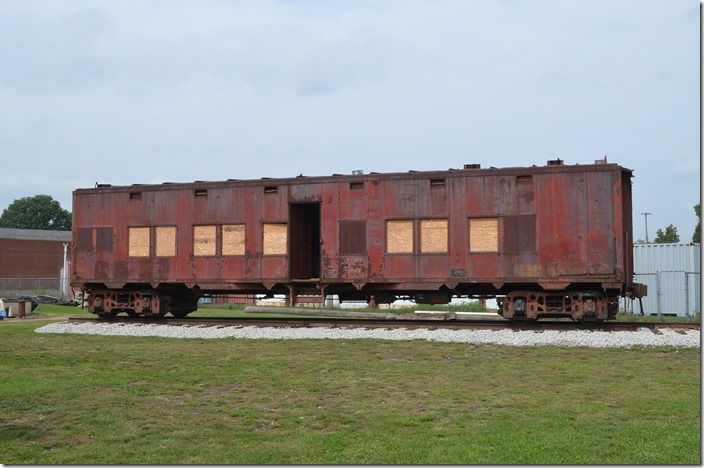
472 170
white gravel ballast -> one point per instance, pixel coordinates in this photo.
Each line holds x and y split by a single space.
594 339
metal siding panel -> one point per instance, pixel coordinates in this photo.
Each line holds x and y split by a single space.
498 195
433 266
237 204
486 267
274 206
254 233
353 267
433 200
275 268
457 219
480 196
525 195
304 192
673 261
401 198
600 234
352 203
562 224
329 214
233 268
375 229
398 267
162 269
183 209
522 267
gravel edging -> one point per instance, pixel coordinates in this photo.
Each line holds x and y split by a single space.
594 339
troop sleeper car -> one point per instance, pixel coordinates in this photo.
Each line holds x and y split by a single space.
546 241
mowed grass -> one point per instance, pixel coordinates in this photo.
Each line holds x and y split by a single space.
79 399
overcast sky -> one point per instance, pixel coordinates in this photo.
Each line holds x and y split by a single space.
125 92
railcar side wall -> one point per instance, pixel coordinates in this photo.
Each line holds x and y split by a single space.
548 226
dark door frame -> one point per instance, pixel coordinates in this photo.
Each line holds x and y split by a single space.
304 240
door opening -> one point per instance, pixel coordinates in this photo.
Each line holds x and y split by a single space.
304 226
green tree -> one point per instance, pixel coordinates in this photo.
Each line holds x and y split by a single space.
37 212
670 235
697 237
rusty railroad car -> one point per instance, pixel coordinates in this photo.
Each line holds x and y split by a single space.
546 241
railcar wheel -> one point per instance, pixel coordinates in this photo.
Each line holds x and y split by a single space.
180 313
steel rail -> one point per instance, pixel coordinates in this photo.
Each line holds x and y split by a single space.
305 322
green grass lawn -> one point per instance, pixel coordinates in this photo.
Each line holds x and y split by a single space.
78 399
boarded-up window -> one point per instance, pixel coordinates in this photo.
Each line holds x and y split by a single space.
138 241
84 239
433 235
353 237
103 239
484 235
204 241
519 234
275 239
166 241
399 236
233 239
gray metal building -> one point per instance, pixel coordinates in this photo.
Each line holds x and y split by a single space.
673 275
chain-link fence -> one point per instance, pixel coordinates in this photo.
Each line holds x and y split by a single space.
670 293
15 287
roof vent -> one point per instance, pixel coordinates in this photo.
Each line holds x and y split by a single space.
472 166
556 162
357 172
601 161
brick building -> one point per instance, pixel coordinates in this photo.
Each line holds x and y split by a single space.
33 260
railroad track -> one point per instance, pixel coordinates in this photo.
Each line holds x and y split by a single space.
336 322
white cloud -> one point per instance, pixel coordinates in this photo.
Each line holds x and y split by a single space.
687 168
118 91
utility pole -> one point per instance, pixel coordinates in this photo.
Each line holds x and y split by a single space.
646 226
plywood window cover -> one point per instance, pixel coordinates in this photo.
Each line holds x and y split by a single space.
166 241
204 241
484 235
433 236
138 240
399 236
233 239
275 239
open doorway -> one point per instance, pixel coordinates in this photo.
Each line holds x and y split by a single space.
304 233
